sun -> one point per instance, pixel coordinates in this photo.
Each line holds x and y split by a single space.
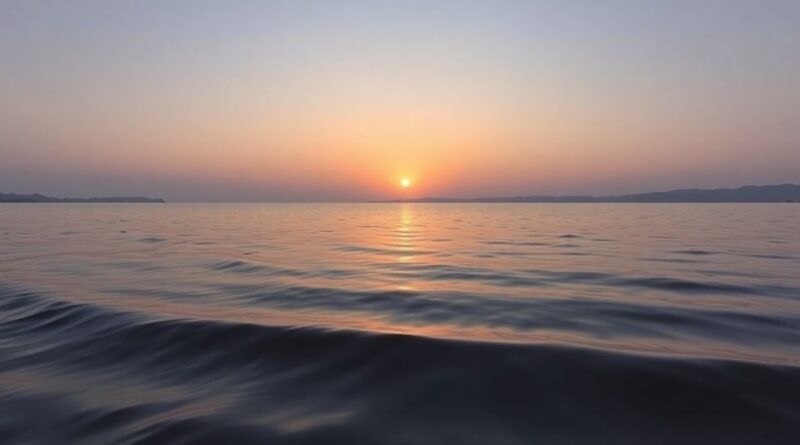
405 183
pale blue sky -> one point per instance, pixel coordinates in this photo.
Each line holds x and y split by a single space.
256 100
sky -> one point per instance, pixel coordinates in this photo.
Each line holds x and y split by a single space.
340 100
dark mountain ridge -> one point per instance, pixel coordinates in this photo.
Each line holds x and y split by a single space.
748 193
36 197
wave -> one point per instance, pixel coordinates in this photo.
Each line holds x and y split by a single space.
86 373
249 268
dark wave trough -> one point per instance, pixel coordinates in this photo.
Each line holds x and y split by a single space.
202 381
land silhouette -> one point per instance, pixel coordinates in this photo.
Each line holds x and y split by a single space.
36 197
748 193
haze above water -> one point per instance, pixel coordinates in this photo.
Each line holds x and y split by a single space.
638 321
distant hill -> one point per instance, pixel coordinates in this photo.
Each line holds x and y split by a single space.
749 193
13 197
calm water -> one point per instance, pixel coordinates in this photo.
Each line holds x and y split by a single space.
400 324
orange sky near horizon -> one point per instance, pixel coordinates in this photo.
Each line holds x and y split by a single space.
275 101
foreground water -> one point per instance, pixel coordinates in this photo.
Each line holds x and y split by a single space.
400 324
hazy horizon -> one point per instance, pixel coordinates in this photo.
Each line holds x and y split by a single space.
401 199
336 101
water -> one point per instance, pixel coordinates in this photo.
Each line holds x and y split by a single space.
400 323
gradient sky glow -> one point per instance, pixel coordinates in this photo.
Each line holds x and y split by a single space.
338 100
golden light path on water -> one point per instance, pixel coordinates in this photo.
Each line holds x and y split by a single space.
367 267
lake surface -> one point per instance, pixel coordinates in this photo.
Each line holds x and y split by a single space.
400 323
